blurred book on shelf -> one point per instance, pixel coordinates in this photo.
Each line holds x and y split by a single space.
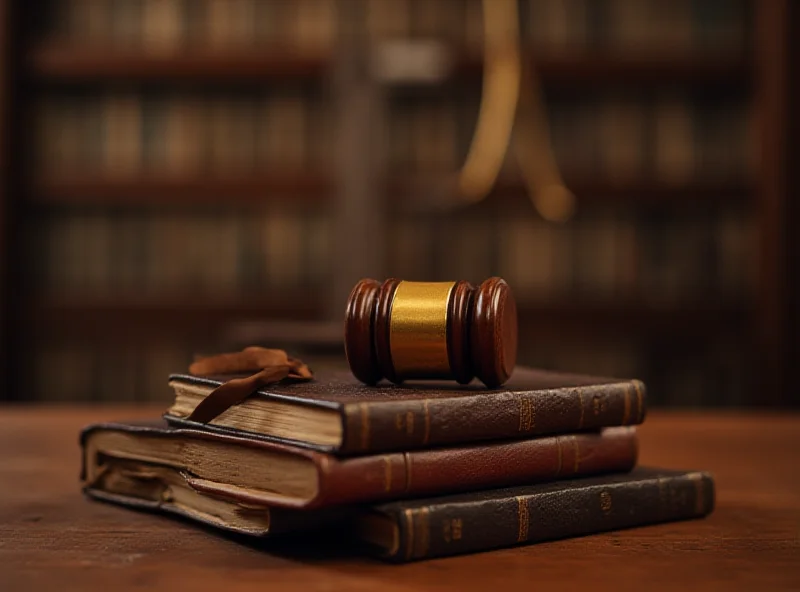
664 137
201 254
556 26
124 136
162 26
601 256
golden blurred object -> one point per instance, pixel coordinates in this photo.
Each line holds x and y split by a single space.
502 74
512 94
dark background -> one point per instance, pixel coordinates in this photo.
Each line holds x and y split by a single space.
182 177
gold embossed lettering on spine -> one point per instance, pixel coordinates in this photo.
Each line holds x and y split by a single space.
418 330
403 330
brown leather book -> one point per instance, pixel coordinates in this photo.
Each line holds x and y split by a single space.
336 413
456 524
434 527
261 473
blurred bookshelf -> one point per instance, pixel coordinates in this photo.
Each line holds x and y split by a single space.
162 315
593 191
651 69
67 64
163 190
183 167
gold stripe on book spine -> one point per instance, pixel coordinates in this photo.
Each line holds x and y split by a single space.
523 516
418 329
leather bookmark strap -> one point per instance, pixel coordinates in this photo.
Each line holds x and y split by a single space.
268 365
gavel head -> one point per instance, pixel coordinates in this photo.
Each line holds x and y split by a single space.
403 330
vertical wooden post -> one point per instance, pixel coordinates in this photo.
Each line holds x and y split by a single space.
772 42
5 83
792 222
359 223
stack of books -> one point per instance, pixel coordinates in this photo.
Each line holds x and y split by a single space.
410 472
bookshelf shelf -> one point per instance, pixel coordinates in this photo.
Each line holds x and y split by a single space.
97 190
662 193
53 62
695 320
647 68
596 191
154 318
192 315
157 316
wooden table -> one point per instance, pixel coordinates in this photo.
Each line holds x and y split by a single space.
51 538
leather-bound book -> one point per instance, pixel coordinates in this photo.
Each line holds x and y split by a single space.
432 527
257 472
336 413
456 524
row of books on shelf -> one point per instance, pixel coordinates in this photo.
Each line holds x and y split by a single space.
668 137
602 256
124 134
568 25
163 26
207 254
93 371
712 373
599 256
552 25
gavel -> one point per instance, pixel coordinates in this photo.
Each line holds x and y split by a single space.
401 330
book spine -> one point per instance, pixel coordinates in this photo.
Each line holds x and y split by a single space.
408 425
471 468
451 529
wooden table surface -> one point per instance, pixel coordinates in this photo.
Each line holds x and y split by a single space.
51 538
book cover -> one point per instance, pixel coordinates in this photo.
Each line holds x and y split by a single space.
336 413
255 471
452 525
411 530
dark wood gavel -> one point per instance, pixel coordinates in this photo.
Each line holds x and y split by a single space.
403 330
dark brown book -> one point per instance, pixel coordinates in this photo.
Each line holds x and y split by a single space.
257 472
336 413
452 525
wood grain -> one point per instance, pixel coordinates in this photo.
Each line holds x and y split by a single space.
51 538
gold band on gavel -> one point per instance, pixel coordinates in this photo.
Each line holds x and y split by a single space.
418 329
